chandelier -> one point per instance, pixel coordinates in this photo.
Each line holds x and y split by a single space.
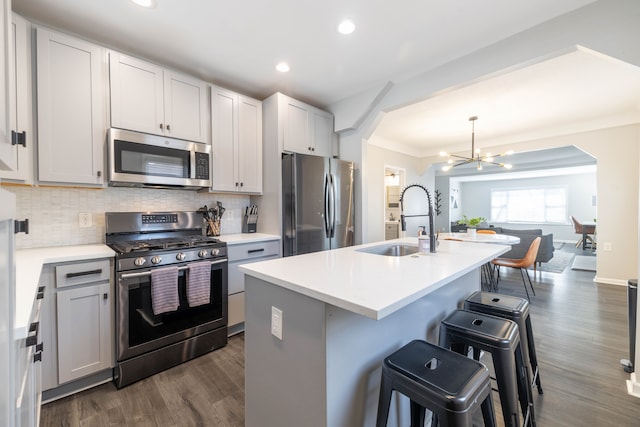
475 155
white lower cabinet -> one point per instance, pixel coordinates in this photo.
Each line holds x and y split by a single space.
243 253
80 339
28 381
83 347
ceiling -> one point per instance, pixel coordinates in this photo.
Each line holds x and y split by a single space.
575 92
237 45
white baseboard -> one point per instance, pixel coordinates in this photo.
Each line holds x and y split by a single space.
608 281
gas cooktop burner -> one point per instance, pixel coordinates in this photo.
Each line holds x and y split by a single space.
127 246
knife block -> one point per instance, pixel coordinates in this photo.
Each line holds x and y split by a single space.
249 223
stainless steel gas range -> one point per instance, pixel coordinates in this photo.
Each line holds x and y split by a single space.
171 284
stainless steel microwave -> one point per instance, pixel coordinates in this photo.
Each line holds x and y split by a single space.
142 160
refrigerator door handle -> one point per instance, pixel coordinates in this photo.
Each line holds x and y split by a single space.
333 206
327 229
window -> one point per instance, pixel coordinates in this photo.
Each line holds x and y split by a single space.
535 204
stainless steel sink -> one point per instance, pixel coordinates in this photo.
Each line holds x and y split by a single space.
391 249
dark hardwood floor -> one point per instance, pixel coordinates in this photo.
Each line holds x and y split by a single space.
580 330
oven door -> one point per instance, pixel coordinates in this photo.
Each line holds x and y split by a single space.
140 331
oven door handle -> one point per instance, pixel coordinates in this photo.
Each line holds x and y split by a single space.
148 272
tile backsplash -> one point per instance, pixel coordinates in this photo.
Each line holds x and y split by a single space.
53 212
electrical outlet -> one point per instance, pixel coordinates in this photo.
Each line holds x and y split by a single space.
607 246
84 220
276 322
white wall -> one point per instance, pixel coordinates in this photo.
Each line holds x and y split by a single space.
53 211
415 199
476 198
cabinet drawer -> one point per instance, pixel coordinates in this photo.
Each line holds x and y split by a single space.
247 251
82 273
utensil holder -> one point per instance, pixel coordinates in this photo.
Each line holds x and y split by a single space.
213 227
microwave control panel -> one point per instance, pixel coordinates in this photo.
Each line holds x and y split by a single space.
202 166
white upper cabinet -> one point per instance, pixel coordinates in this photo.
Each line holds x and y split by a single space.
7 150
148 98
71 109
307 129
20 124
237 142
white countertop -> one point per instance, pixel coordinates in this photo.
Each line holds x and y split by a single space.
237 239
369 284
29 264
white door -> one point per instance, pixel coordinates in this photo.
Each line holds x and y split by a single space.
20 101
83 347
297 119
185 107
7 151
136 94
71 105
322 133
224 140
250 144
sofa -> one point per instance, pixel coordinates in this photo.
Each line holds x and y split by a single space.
545 252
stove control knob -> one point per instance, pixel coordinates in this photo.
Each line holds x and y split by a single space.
156 260
215 252
180 256
202 253
139 261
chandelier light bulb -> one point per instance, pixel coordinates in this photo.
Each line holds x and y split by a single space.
446 168
507 166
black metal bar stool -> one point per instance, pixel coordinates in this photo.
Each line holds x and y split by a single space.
449 385
500 338
517 310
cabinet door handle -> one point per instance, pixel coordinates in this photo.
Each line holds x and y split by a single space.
253 251
21 226
105 296
37 357
33 329
161 126
19 138
99 173
39 347
84 273
168 127
40 293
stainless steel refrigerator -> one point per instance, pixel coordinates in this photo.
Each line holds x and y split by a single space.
318 205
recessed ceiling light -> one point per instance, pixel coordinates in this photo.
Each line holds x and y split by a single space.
283 67
346 27
146 3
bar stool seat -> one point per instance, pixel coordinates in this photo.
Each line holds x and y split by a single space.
451 386
500 338
517 310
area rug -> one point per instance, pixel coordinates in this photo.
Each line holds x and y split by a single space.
586 263
558 263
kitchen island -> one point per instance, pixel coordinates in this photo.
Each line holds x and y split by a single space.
319 325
